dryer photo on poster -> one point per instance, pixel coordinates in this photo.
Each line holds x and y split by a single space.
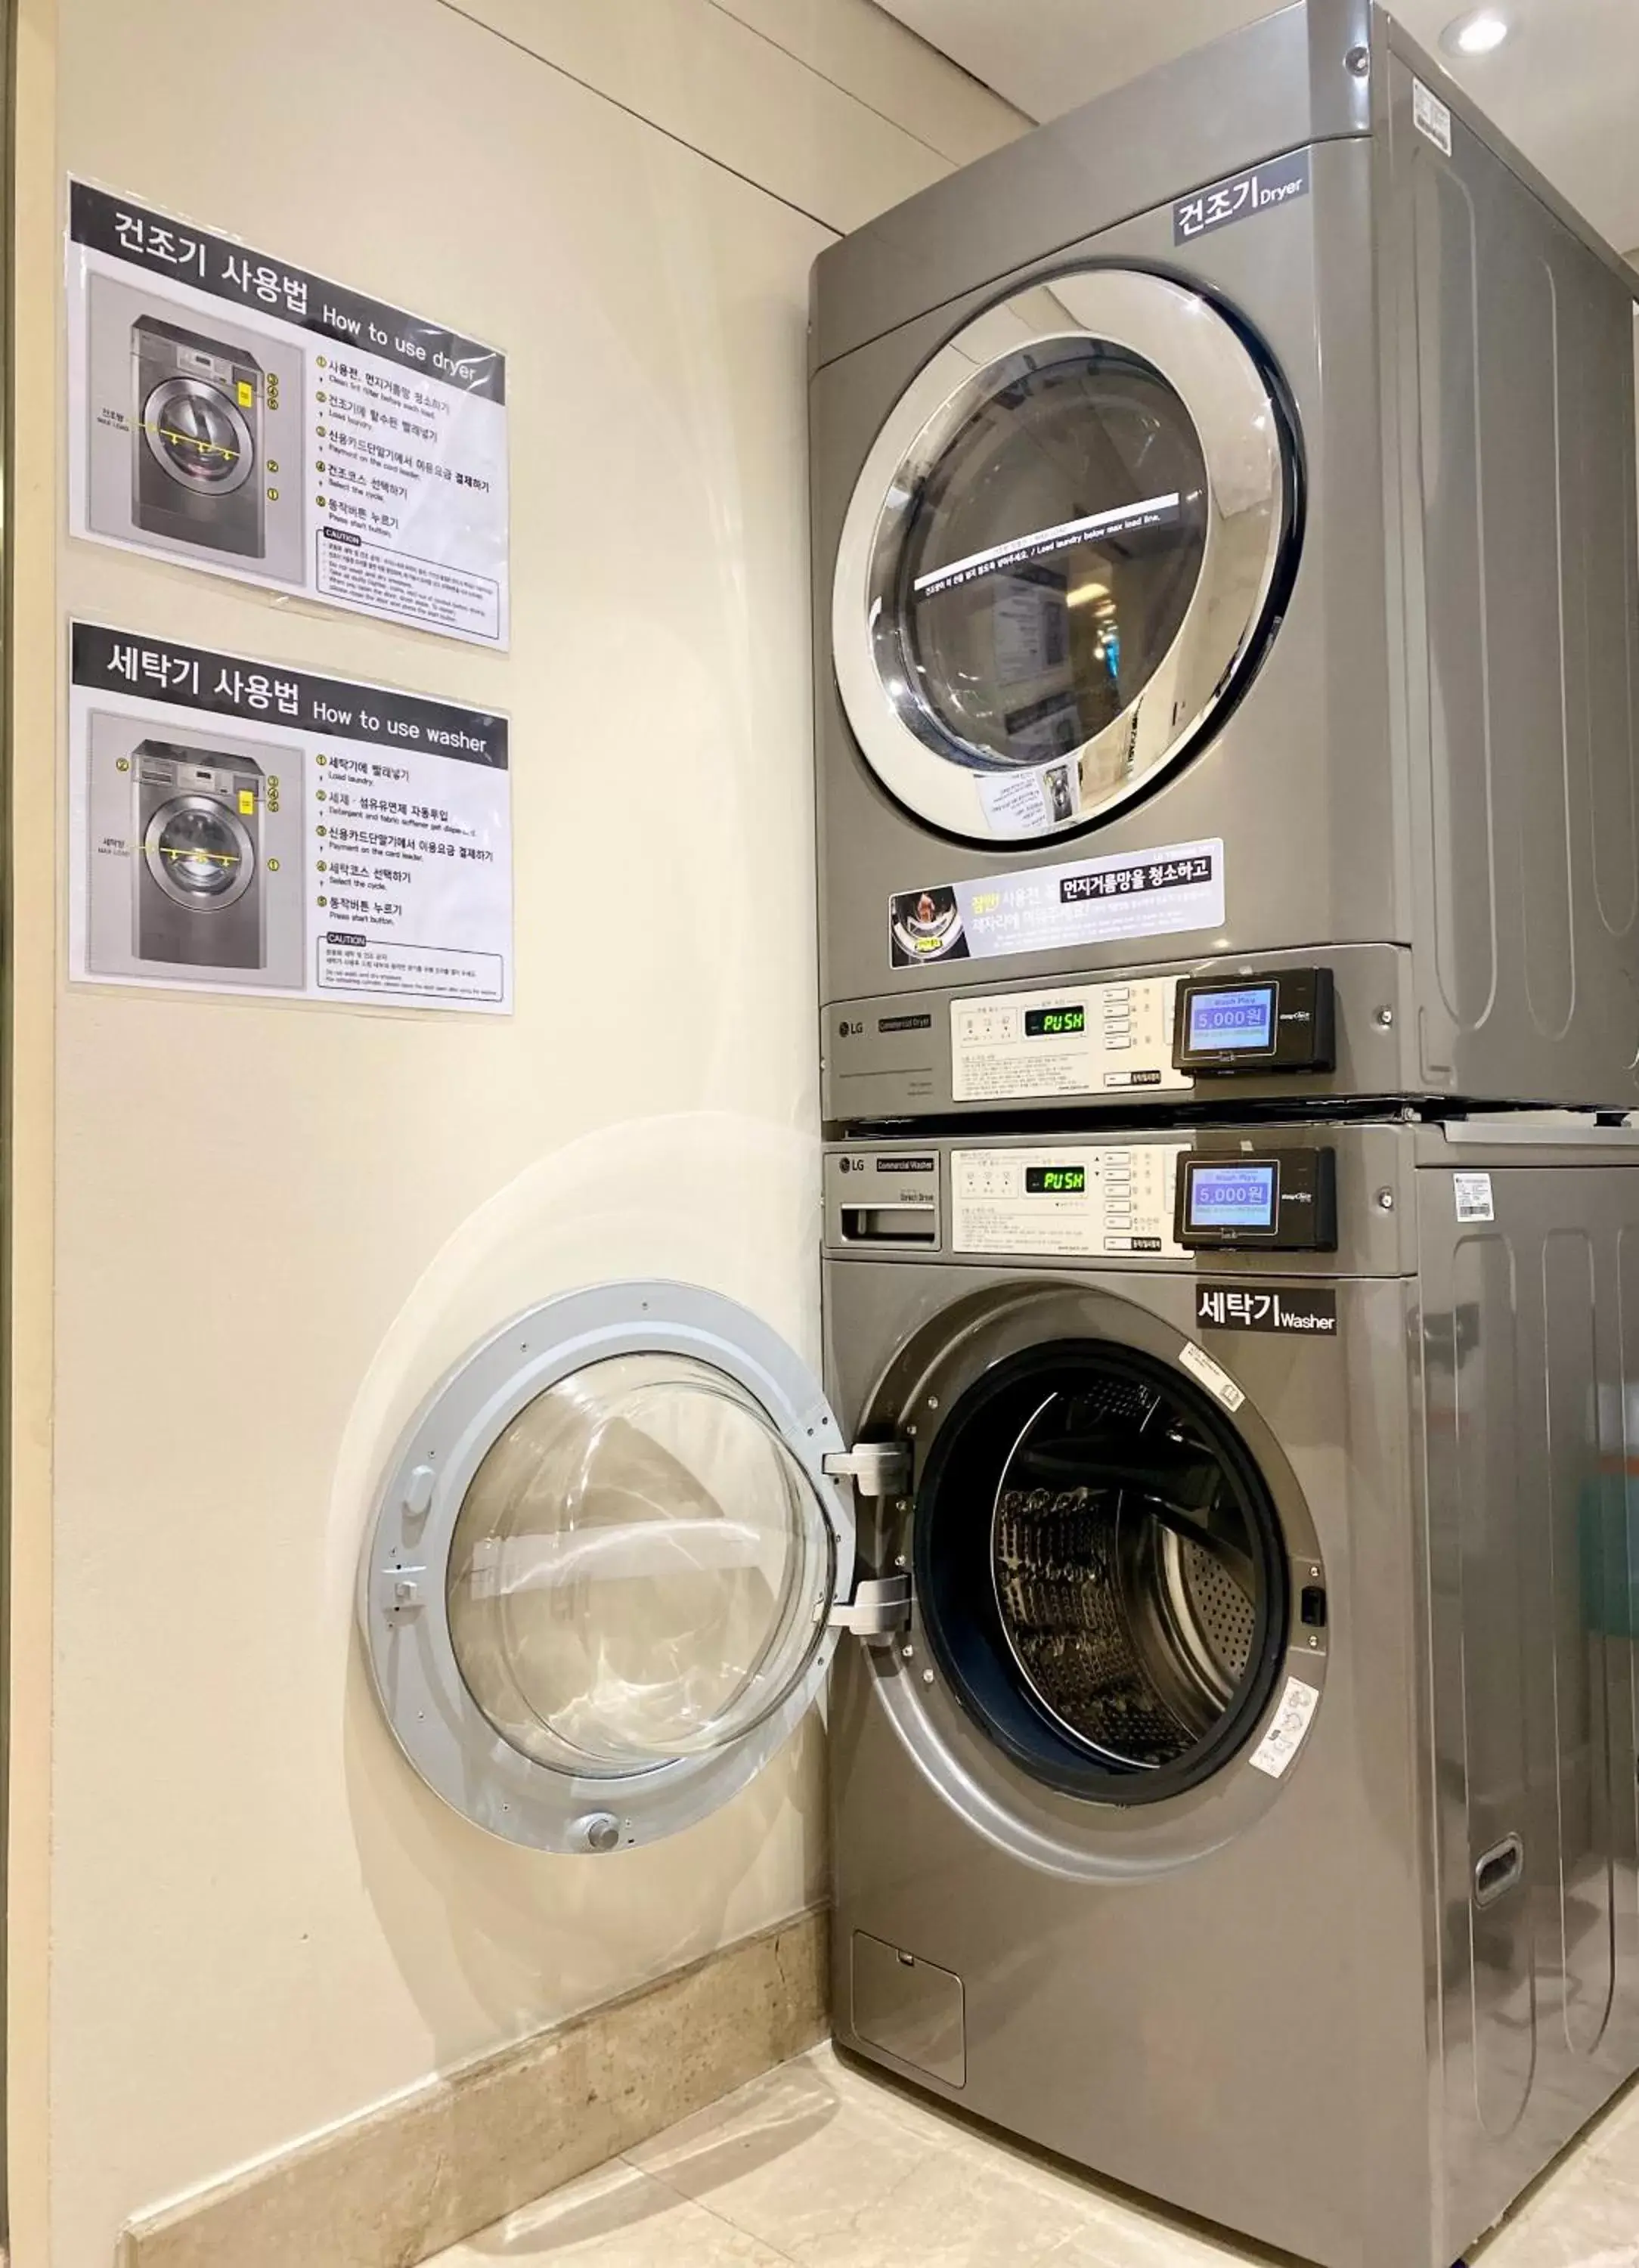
193 434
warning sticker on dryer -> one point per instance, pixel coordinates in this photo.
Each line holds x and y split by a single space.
236 412
238 826
1159 892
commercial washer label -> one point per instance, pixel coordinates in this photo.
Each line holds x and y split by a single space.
1288 1728
236 413
238 826
1045 909
1262 1307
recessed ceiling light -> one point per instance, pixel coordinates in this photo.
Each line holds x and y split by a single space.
1475 34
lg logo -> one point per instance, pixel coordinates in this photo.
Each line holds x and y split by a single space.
847 1031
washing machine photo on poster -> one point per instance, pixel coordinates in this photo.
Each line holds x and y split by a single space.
238 826
240 415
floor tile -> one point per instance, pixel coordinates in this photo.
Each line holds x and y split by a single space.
617 2218
841 2172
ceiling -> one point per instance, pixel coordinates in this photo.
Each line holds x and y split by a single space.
1565 85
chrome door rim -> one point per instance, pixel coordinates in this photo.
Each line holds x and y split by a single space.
435 1719
197 389
214 808
1251 485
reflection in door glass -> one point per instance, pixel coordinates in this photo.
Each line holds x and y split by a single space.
639 1570
1048 560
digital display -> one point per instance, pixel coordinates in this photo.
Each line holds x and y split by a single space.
1054 1023
1056 1181
1228 1021
1232 1197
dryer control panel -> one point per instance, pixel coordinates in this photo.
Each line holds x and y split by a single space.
1074 1039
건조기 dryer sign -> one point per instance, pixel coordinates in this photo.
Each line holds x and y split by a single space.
238 826
1157 893
239 414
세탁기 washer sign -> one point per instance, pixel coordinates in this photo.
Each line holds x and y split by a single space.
238 826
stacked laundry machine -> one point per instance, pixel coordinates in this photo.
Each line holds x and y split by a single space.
1216 1523
1227 711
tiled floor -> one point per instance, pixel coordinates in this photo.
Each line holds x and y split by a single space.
815 2164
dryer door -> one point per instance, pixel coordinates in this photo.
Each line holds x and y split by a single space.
1064 556
603 1581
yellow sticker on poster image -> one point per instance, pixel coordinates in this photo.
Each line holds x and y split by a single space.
247 802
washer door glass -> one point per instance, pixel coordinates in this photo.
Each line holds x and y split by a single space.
1060 563
198 853
598 1593
636 1568
198 435
1102 1572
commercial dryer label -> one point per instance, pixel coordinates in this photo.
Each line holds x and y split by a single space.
1045 909
236 412
1276 182
238 826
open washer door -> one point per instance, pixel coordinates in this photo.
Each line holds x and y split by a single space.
1064 556
607 1571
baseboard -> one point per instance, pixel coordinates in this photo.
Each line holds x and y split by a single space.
389 2188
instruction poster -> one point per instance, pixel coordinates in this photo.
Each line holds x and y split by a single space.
238 413
238 826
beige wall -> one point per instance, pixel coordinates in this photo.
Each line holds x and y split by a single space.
274 1224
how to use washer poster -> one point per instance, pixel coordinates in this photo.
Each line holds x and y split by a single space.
241 826
243 416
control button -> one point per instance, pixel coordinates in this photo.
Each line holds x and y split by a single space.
1115 1041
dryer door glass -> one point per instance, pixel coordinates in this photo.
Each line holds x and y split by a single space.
633 1576
1049 558
1064 556
198 435
1101 1568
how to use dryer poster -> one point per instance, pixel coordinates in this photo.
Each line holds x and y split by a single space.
238 826
240 415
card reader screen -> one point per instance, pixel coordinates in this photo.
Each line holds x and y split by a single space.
1232 1197
1229 1021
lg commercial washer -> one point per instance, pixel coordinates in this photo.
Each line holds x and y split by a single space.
199 894
1224 569
1233 1760
197 452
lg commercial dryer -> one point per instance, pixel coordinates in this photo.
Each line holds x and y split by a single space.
1227 617
1238 1539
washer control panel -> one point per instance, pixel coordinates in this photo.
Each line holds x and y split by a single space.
1282 1020
1074 1039
1076 1200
